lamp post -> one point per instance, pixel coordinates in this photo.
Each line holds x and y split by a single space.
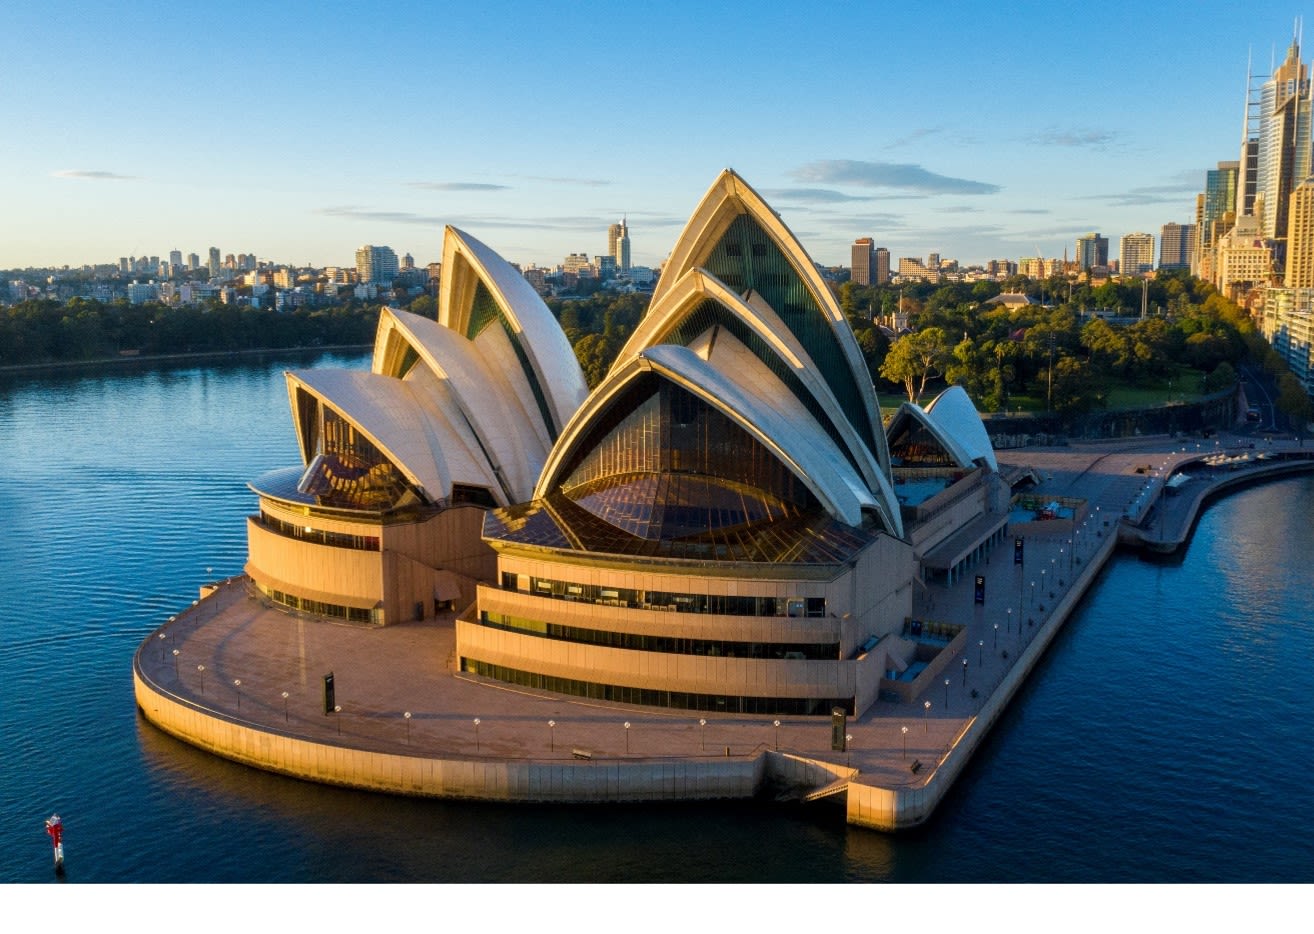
964 672
904 731
848 747
777 726
201 669
702 734
926 714
407 716
161 646
1010 620
476 726
552 736
337 712
176 653
996 645
980 654
627 737
285 706
237 686
946 693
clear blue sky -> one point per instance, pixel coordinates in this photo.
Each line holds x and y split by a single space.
298 131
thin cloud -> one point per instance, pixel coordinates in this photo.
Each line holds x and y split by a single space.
1096 139
815 195
389 217
94 175
915 136
458 186
889 175
560 180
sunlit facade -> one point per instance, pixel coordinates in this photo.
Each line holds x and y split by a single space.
381 522
717 528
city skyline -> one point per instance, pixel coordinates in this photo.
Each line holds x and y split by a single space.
298 133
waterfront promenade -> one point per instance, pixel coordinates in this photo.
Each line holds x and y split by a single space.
245 681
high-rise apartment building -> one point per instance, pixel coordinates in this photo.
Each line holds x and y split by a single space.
376 264
862 257
1176 246
1136 254
1300 237
213 264
1092 250
882 265
618 244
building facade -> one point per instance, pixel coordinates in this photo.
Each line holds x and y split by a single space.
1136 254
1299 266
862 262
1176 246
376 264
1092 251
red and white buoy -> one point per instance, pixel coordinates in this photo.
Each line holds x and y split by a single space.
55 827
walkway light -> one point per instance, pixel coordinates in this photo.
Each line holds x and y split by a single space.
407 715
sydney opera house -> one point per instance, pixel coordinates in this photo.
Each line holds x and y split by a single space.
723 524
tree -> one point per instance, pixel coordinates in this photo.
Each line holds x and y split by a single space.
915 359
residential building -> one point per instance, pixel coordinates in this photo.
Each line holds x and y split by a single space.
376 264
1287 324
1136 254
1092 250
1176 246
882 265
618 244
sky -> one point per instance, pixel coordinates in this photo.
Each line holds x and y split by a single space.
299 131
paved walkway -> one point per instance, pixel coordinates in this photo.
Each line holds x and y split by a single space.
381 674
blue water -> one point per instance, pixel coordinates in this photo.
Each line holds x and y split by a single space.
1163 738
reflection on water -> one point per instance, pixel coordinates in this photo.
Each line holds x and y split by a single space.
1156 742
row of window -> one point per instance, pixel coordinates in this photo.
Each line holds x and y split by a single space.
319 536
672 601
823 651
649 697
319 608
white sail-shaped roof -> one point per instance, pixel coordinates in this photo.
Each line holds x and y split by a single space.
955 416
780 423
834 349
424 435
501 415
542 351
680 307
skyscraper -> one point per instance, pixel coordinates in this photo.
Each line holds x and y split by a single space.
1092 250
377 264
1283 157
1176 244
863 260
618 244
214 261
1217 213
1136 254
882 265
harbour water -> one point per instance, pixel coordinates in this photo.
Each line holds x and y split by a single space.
1163 738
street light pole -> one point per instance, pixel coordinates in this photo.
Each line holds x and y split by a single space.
926 713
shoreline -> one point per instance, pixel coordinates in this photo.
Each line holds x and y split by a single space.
472 739
65 365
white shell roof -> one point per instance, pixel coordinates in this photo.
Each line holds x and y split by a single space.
423 434
555 368
729 197
775 418
506 423
952 411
